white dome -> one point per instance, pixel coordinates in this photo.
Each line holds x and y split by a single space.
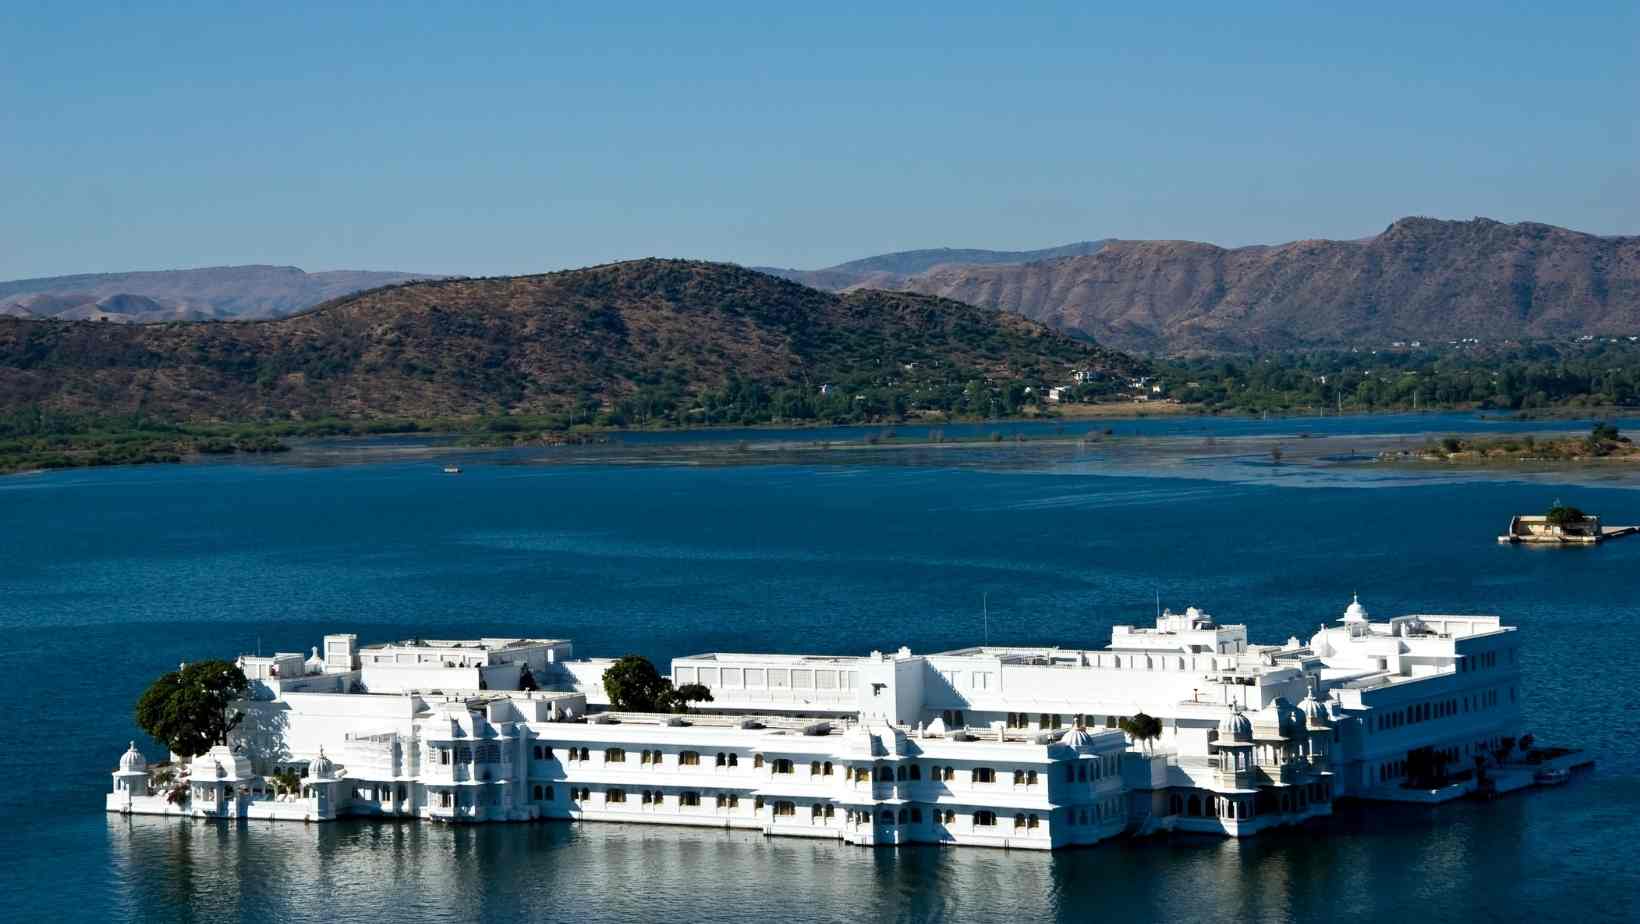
314 663
1355 612
1235 727
321 767
1077 740
132 760
1315 714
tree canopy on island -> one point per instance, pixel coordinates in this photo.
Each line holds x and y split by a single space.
633 685
1560 515
190 710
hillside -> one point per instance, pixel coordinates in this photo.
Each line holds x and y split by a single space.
893 270
1420 278
185 295
530 344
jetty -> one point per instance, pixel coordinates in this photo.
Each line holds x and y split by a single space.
1562 526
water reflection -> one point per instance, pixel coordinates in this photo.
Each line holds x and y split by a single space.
1365 861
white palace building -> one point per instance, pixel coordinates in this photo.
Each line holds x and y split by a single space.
991 746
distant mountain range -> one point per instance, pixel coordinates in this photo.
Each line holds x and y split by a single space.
895 270
537 344
185 295
1420 278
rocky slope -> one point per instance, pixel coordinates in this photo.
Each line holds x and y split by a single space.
1420 278
535 344
894 270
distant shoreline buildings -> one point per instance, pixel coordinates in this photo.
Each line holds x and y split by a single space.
984 746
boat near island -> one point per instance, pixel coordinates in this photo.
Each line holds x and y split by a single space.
1184 725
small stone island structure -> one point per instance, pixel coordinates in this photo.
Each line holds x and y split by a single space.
987 746
1583 530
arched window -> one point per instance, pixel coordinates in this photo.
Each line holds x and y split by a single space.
862 774
814 810
586 754
688 758
1175 805
825 769
614 795
899 772
690 799
757 803
887 818
782 765
905 816
1019 777
1070 773
814 769
757 761
885 774
1032 822
950 773
645 758
538 752
785 809
647 798
916 771
734 761
549 796
1193 808
984 775
985 819
537 792
1030 778
1081 773
614 756
949 818
1019 822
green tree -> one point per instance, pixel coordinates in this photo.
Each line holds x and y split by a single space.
634 685
190 710
1142 728
1560 515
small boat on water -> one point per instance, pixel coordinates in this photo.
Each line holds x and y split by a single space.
452 469
1551 776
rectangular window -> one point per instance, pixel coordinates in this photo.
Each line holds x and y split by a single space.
851 680
731 677
803 679
825 680
709 676
779 679
685 675
754 678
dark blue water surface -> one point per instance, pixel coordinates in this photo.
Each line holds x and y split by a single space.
109 577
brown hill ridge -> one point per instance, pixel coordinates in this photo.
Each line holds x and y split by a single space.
187 294
1420 278
537 344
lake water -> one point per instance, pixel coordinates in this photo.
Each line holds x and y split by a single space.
110 577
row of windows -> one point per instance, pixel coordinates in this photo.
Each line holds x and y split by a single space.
1437 709
773 678
487 753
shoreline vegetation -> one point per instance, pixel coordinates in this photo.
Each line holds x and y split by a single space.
1602 444
37 441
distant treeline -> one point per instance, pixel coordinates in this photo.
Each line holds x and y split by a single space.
1600 374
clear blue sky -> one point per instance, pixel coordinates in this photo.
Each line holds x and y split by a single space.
510 138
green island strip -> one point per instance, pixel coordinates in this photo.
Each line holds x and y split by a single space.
1603 444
